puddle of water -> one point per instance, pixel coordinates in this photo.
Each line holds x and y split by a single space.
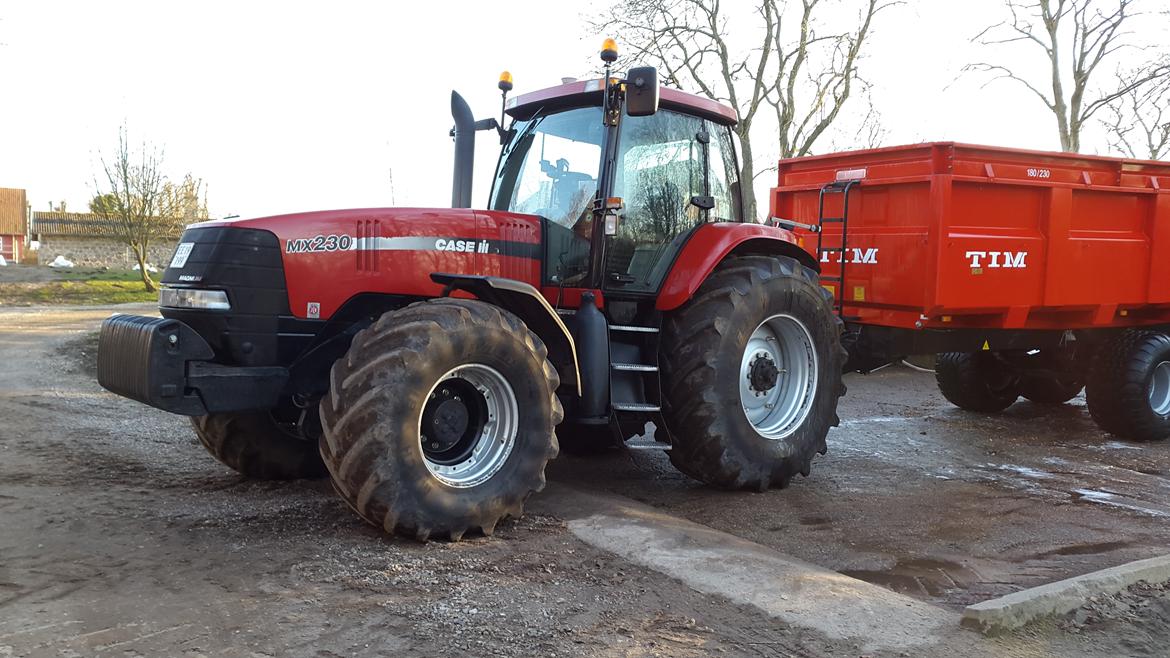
878 419
1026 471
1114 500
1112 445
920 577
1088 549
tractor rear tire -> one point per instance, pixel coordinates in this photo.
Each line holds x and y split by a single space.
975 381
755 317
252 444
439 419
1129 386
1050 389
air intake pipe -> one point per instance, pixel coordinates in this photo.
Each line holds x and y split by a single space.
464 134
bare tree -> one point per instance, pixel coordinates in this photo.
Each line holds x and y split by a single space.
804 75
1087 32
140 205
1138 123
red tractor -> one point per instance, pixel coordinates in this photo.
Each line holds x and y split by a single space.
429 359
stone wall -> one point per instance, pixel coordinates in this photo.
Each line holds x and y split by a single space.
101 252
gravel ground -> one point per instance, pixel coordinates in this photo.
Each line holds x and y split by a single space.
122 537
1138 619
946 506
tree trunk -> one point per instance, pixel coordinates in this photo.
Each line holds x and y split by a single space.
140 256
747 174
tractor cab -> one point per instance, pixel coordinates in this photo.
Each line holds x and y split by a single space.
618 192
658 176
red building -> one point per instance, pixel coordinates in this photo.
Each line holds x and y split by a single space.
13 224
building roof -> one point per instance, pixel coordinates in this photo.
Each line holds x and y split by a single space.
70 223
80 224
13 211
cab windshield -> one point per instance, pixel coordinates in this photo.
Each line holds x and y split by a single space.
550 166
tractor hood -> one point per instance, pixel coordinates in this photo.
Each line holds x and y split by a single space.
326 258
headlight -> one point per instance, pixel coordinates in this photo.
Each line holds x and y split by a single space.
216 300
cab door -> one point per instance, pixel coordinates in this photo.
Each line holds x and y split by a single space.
673 173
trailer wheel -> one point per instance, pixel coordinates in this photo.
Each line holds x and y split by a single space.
752 374
1129 386
975 381
1050 389
252 444
439 419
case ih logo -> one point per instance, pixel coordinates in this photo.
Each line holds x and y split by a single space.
997 259
863 256
465 246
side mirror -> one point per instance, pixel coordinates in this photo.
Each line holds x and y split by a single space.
642 91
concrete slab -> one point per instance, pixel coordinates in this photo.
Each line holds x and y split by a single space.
1019 608
715 562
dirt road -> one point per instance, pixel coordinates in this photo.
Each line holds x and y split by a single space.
119 536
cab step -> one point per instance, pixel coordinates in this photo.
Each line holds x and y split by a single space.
634 367
637 407
633 328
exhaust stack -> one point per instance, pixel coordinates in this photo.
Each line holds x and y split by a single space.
464 133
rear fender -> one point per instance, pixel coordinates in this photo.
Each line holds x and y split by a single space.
529 305
711 243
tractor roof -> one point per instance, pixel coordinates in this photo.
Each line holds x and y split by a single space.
588 92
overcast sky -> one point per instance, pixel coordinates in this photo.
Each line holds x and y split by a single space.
286 106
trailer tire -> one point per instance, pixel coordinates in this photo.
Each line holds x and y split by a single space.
1050 389
481 381
972 381
725 328
1129 386
252 444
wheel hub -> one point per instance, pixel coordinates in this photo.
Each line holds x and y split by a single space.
468 425
1160 389
763 373
448 424
778 376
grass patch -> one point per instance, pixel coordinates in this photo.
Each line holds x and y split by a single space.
111 288
95 274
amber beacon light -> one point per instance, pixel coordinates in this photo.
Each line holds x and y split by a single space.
609 51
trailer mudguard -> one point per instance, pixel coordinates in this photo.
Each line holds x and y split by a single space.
711 243
528 304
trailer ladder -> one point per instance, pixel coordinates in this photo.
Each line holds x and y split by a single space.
843 188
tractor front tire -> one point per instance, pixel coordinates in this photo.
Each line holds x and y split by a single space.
752 374
439 419
252 444
975 381
1129 386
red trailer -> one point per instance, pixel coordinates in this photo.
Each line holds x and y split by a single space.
1030 273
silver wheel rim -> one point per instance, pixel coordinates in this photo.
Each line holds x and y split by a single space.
496 435
1160 389
784 342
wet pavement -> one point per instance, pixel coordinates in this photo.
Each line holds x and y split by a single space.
120 536
932 501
